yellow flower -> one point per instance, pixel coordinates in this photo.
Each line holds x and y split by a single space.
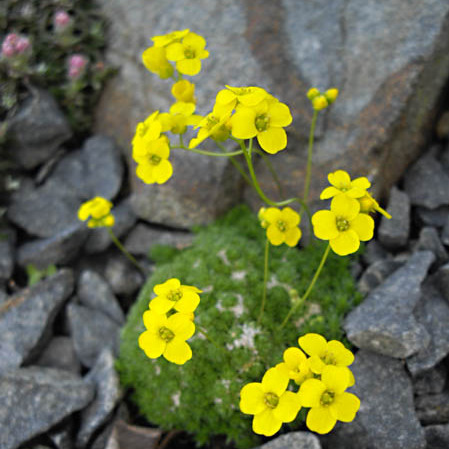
152 158
321 101
184 91
265 120
342 184
167 336
269 402
165 39
99 209
247 96
328 400
171 294
282 226
368 205
261 217
296 365
149 129
155 60
323 353
180 116
343 225
188 54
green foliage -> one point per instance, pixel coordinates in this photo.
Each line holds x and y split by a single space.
35 275
226 262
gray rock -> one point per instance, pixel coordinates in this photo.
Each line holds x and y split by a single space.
445 232
27 317
427 184
376 273
95 292
433 217
442 280
104 438
99 239
386 418
92 331
6 260
3 296
35 399
296 440
58 249
437 436
393 233
384 322
374 252
37 130
62 434
60 354
432 312
430 382
433 408
122 276
430 240
143 237
125 436
108 394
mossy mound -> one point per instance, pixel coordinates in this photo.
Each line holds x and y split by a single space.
226 262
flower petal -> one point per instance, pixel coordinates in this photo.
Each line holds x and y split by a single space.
336 378
252 399
316 364
292 236
274 235
329 192
265 423
175 52
177 351
325 225
279 115
181 326
163 171
189 301
152 345
167 286
288 407
154 321
161 305
243 124
320 420
194 40
225 96
339 179
272 140
275 381
313 344
343 356
347 242
361 183
310 392
290 216
345 207
189 67
363 225
293 357
345 406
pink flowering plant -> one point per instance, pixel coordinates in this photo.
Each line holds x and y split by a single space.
287 369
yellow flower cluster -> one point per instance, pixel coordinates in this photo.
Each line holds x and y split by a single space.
281 225
322 100
99 211
347 223
184 48
169 322
323 378
245 113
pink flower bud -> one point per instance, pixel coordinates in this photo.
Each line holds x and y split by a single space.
61 20
77 65
9 45
22 45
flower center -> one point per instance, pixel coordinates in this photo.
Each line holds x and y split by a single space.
154 159
271 400
175 295
328 358
189 53
212 121
327 398
281 225
342 224
166 334
262 122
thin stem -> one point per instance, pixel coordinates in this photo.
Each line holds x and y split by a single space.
236 164
271 170
309 156
181 141
309 289
207 153
125 251
265 280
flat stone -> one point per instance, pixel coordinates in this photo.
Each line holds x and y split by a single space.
433 217
297 440
430 240
122 276
108 394
432 312
6 260
99 238
376 273
35 399
394 232
374 252
384 322
60 354
427 184
386 418
37 130
95 292
431 381
125 436
442 280
433 408
437 436
92 331
143 237
27 317
58 249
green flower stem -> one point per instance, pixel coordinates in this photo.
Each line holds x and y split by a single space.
236 165
206 153
181 141
265 280
271 170
309 156
125 251
309 288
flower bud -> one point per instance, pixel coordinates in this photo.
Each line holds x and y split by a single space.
77 66
319 103
61 21
22 45
312 93
331 95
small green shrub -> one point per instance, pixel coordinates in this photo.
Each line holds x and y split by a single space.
226 262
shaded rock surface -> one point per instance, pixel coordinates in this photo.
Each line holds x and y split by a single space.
27 317
34 399
433 408
431 381
383 322
430 240
6 259
297 440
125 436
437 436
60 354
123 277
